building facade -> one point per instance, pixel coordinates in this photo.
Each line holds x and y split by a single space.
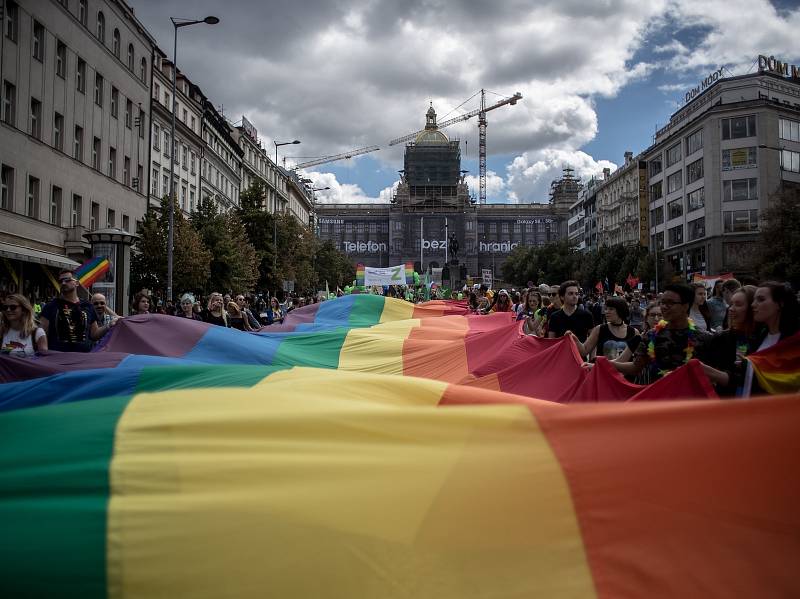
582 223
221 177
717 166
189 145
258 166
433 222
73 132
622 207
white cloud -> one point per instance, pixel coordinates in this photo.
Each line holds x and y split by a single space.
495 186
344 193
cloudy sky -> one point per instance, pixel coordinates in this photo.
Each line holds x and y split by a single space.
597 76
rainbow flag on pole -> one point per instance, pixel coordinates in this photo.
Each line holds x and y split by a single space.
360 274
91 270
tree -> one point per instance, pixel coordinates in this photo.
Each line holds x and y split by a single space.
233 259
779 243
333 266
149 257
259 226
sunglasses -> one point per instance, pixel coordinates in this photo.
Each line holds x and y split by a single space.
62 281
10 307
98 303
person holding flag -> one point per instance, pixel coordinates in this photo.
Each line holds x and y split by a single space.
70 322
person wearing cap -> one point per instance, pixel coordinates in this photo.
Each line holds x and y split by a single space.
501 303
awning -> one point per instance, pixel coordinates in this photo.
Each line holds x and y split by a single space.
18 252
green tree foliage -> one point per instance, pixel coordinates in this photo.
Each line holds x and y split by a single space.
259 225
333 266
149 257
779 244
234 260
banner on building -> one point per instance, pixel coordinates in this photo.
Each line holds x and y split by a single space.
393 275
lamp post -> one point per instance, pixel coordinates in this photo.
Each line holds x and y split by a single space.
282 143
176 23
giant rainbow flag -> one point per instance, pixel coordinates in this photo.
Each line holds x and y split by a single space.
372 448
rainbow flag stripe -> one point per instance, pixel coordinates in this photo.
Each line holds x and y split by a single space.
91 270
360 274
778 367
409 273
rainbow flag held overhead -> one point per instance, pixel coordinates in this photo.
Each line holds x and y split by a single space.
369 447
91 270
360 274
409 273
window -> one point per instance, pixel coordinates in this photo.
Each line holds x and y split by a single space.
154 182
77 210
655 165
167 190
80 76
131 57
657 240
675 208
12 20
94 217
673 154
111 218
112 162
789 130
36 118
128 114
141 123
114 102
58 132
32 204
116 44
156 137
696 199
61 60
696 229
738 127
676 235
143 70
740 221
737 190
739 158
101 27
492 228
674 182
126 222
656 192
656 216
9 103
790 161
184 157
55 206
192 163
7 188
193 128
126 171
156 91
98 89
694 171
83 12
38 41
694 142
185 116
77 148
96 153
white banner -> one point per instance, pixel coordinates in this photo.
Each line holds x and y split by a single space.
394 275
486 275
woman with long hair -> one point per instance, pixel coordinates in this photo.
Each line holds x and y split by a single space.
275 312
141 303
700 312
18 331
532 324
215 311
236 317
726 367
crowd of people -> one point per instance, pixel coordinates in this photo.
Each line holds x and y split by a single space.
644 336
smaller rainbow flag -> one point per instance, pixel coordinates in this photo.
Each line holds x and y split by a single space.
778 367
359 274
91 270
409 273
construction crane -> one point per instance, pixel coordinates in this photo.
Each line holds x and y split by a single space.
481 114
335 157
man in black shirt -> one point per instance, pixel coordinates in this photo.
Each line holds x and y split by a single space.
70 322
570 317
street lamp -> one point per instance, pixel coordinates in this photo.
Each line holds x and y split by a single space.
176 23
282 143
319 188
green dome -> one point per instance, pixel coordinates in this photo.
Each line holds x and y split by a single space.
431 137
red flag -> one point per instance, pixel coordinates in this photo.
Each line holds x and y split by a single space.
632 281
599 287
